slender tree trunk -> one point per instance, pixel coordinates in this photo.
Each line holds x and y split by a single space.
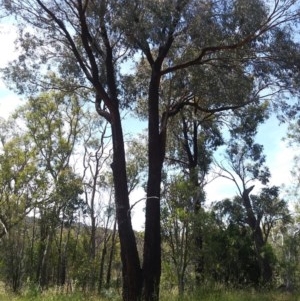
152 242
92 207
198 237
32 243
111 255
101 269
42 277
93 233
192 152
92 251
180 284
132 274
198 228
60 280
92 254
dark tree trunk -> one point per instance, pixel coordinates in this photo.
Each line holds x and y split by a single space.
63 270
101 269
199 259
152 242
266 272
198 235
111 255
93 232
32 244
131 270
192 152
197 225
42 275
92 206
180 284
61 259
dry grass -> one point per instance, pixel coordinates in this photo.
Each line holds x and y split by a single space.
216 294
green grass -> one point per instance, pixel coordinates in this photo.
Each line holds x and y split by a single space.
202 295
233 295
50 297
221 293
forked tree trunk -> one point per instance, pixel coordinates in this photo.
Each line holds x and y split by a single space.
192 152
266 272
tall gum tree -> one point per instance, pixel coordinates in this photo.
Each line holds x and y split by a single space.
86 42
52 124
19 176
245 164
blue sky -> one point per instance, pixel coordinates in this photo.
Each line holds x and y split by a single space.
8 100
279 156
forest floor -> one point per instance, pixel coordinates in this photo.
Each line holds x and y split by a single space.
241 295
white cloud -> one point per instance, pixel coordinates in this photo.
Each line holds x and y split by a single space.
138 201
8 100
8 34
281 163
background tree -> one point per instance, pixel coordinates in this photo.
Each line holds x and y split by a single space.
176 228
268 210
234 265
20 187
52 121
285 238
96 154
19 176
246 164
293 139
192 143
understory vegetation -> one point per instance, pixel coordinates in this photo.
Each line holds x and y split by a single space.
208 294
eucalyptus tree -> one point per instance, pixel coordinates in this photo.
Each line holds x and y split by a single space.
266 212
52 123
96 155
245 165
98 194
285 239
20 187
87 43
19 177
236 264
192 141
190 146
178 217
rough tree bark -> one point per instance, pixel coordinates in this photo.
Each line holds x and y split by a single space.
132 274
152 242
